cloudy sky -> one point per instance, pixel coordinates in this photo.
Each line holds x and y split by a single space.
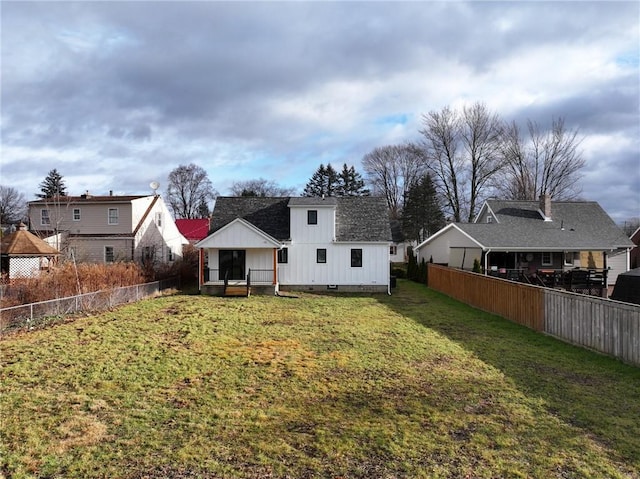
116 94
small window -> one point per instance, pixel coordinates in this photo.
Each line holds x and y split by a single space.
76 214
109 256
158 219
393 250
356 258
170 255
283 255
489 219
44 217
321 255
113 216
547 258
568 258
312 217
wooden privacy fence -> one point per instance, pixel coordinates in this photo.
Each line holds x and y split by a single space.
606 326
517 302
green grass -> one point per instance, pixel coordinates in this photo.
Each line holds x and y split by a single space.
409 385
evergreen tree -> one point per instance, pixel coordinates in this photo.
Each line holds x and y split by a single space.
422 215
53 185
324 182
350 183
203 209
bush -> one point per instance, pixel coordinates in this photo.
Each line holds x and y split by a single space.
476 266
69 279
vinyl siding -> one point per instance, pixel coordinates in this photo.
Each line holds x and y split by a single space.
323 232
302 268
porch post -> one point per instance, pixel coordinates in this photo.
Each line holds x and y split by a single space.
201 267
275 263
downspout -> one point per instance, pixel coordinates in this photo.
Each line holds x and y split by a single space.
486 261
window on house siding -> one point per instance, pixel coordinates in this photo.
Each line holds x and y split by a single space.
568 258
393 250
321 255
312 217
113 216
283 255
547 258
170 255
44 217
109 255
76 214
489 219
356 258
158 219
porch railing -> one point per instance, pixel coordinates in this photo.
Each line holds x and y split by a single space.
261 275
257 276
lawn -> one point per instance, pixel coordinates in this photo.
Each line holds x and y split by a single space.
409 385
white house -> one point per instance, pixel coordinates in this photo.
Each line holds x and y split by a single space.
314 244
533 236
108 228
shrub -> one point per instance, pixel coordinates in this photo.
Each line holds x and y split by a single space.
70 279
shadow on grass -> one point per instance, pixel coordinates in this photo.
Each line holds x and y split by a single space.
595 393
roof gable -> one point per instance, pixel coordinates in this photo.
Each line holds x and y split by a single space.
228 236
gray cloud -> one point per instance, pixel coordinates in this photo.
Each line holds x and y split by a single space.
273 89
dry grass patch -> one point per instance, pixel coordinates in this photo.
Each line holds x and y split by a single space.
412 385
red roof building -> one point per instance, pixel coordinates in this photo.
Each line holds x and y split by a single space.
194 230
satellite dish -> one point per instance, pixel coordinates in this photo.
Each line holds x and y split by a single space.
154 186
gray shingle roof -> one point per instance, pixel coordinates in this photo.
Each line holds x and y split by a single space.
361 218
271 215
575 225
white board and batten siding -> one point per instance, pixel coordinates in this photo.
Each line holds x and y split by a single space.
259 247
322 232
302 267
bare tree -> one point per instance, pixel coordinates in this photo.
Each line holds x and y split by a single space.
392 170
546 162
464 154
13 205
189 188
260 187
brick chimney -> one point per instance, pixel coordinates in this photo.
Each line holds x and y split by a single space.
545 206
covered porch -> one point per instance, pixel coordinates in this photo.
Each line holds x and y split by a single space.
239 272
237 260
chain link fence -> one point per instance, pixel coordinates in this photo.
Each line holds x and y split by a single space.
28 316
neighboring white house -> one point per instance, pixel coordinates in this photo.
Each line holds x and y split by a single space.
108 228
530 236
298 244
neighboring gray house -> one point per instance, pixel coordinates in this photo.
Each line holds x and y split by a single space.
104 229
532 236
298 244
